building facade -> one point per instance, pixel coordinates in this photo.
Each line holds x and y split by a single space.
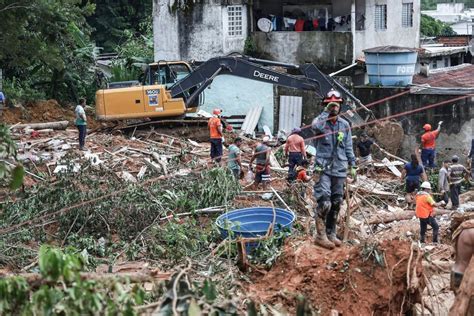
329 33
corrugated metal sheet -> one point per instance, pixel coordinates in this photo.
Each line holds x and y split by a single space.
251 120
290 112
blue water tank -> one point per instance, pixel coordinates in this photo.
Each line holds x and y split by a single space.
390 65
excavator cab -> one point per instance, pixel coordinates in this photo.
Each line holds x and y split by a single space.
166 73
149 97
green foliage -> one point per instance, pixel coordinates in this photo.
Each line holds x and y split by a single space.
114 21
47 48
269 250
75 296
433 27
9 173
124 215
250 47
216 187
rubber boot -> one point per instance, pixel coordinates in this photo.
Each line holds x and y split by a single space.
336 241
321 237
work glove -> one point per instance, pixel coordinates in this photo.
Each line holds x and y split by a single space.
318 170
353 172
340 137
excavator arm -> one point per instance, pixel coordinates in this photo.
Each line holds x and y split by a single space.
309 78
243 67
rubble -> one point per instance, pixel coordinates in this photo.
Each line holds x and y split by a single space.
144 180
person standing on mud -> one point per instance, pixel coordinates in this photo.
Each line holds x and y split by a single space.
411 174
81 122
425 211
334 155
296 151
262 169
216 134
428 146
456 173
233 158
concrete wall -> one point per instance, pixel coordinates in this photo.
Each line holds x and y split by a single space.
458 117
236 96
199 33
328 50
395 34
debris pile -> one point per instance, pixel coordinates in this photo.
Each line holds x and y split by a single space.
147 199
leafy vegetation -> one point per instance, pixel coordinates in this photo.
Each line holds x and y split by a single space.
47 48
63 291
432 27
9 172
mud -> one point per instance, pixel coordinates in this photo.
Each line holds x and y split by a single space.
45 111
341 279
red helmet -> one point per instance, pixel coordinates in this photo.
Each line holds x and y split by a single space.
427 127
333 96
217 111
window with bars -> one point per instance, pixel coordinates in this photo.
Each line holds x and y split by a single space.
234 13
380 17
407 15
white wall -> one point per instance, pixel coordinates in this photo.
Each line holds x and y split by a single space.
395 34
165 32
200 34
450 7
236 96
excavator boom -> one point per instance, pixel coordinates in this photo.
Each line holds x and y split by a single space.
159 98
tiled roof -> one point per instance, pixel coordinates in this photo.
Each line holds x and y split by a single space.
461 76
459 40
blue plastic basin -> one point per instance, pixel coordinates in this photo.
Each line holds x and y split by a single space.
254 221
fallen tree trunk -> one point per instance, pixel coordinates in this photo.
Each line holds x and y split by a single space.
464 302
386 217
36 279
59 125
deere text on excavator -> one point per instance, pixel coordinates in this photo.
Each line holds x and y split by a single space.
171 89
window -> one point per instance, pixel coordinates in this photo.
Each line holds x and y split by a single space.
407 15
380 17
234 13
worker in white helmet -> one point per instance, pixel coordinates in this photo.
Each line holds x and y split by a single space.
425 211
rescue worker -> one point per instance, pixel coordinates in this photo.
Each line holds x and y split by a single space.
262 169
411 174
471 156
425 211
443 183
455 175
296 151
428 145
216 134
364 145
233 158
81 122
334 155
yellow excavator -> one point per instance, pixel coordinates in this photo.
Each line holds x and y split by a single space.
172 89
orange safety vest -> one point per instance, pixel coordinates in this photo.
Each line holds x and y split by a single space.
423 207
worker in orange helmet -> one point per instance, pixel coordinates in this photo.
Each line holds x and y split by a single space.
216 134
428 145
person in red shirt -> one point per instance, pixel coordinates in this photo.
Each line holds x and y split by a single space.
428 145
302 175
215 130
296 151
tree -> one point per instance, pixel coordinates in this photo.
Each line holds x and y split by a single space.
45 45
433 27
113 19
